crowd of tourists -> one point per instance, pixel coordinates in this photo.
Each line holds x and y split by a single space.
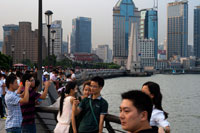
140 110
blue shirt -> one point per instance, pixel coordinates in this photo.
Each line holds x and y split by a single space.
14 118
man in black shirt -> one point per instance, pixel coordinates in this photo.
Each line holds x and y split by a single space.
135 112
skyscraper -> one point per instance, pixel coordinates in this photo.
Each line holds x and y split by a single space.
149 27
103 51
124 14
24 39
7 29
57 26
81 35
177 28
197 32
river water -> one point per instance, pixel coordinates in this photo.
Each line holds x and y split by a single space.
181 98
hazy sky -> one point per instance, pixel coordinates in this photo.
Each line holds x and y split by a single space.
13 11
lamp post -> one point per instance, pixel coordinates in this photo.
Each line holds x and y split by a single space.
24 52
48 16
39 74
53 39
12 50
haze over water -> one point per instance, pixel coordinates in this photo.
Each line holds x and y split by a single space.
181 98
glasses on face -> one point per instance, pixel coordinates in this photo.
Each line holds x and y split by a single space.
93 86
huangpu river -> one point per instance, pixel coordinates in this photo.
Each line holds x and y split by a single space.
181 98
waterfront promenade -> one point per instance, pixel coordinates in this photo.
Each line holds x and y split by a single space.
2 126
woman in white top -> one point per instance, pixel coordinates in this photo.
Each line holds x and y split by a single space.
158 116
65 110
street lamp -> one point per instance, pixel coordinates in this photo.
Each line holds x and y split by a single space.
48 16
13 49
24 52
53 39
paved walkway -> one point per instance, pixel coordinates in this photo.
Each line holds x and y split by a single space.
2 126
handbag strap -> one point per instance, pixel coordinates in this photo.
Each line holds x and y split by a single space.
93 112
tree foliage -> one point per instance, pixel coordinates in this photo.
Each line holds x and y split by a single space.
5 61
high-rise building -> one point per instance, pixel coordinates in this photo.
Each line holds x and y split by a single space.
81 35
197 32
65 48
147 52
1 46
71 48
103 51
7 29
124 14
57 26
149 27
177 28
25 44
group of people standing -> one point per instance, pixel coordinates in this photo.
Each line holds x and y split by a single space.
21 98
140 110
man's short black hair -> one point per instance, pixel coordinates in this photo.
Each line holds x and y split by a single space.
72 70
99 80
10 80
25 77
140 100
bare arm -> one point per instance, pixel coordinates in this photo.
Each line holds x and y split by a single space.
25 99
164 130
73 117
76 109
46 87
4 89
19 89
101 123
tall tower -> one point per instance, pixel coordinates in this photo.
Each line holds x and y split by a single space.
124 14
81 34
149 27
177 28
197 32
57 26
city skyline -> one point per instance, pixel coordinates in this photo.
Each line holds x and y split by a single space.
98 11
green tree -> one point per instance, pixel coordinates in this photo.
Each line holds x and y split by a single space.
5 61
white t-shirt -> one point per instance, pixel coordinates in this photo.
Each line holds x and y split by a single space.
158 118
73 76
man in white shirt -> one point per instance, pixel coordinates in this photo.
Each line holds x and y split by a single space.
73 77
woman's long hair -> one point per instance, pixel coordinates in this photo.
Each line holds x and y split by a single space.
154 89
66 90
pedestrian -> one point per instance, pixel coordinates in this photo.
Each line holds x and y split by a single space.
94 108
65 109
13 100
135 112
73 76
2 90
28 109
159 116
86 92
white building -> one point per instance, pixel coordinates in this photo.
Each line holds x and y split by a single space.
103 51
147 52
69 43
57 26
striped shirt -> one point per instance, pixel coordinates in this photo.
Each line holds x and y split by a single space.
28 109
14 118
